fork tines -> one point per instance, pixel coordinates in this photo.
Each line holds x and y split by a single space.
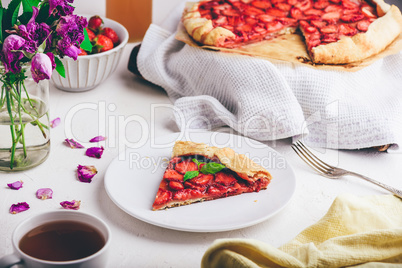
307 156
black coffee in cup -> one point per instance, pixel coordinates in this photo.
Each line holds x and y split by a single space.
62 241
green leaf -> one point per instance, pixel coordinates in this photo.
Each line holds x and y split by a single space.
211 168
191 174
25 17
42 47
27 5
60 67
12 12
1 24
86 44
198 163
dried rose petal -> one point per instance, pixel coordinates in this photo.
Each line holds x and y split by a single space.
44 193
15 185
97 138
75 205
20 207
86 173
95 152
73 144
54 123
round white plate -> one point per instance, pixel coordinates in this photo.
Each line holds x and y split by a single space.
132 180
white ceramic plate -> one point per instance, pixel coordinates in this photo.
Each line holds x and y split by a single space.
132 180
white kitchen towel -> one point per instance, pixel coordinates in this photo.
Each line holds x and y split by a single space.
268 101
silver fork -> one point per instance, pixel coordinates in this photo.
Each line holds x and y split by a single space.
333 172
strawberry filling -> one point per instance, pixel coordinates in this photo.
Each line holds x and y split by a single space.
174 188
258 20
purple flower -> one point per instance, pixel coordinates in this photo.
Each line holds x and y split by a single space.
35 34
15 185
73 144
44 193
10 57
75 205
20 207
95 152
41 67
97 138
55 122
86 173
60 7
71 30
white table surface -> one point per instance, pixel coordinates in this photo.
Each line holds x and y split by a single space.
138 244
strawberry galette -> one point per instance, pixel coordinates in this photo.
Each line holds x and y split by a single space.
198 172
335 31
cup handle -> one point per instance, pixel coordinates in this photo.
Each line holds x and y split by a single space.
9 260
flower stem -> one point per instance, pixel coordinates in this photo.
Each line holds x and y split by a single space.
21 124
11 128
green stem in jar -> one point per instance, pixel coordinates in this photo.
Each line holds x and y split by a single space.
11 128
21 124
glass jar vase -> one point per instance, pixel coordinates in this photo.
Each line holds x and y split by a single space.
24 121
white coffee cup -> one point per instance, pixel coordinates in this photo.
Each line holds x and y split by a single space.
97 259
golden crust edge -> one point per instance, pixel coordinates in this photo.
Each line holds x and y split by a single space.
380 34
239 163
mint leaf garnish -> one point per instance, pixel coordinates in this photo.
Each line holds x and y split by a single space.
191 174
198 163
211 168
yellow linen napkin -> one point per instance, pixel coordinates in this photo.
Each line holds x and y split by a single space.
363 231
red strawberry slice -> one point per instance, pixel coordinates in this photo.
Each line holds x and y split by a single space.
251 21
252 11
312 11
221 7
310 29
229 27
329 38
260 30
287 21
244 28
162 197
335 1
185 166
275 2
274 26
349 4
346 29
304 5
172 175
368 11
187 194
351 11
221 20
304 24
292 2
225 179
261 4
331 16
321 4
284 6
333 8
329 29
205 13
318 23
231 13
363 25
276 12
175 185
217 190
352 17
246 1
266 18
202 179
296 13
313 43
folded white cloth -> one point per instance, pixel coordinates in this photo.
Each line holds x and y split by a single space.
268 101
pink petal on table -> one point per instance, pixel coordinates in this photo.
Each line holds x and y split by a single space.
20 207
75 205
44 193
86 173
15 185
95 152
97 138
73 144
54 123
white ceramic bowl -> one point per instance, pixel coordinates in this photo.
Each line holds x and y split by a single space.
89 71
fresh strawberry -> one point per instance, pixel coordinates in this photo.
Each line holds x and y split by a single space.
82 53
252 11
352 17
251 21
261 4
175 185
173 162
287 21
162 197
329 38
225 179
266 18
284 6
202 179
91 34
351 11
244 28
109 32
304 5
102 43
187 194
221 20
230 13
336 1
274 26
321 4
310 29
171 174
349 4
296 13
276 12
95 22
331 16
312 11
313 43
363 25
329 29
333 8
346 29
318 23
292 2
217 190
304 24
185 166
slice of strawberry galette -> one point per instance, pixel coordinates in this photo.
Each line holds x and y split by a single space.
335 31
198 172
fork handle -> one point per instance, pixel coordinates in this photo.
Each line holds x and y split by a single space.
393 190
